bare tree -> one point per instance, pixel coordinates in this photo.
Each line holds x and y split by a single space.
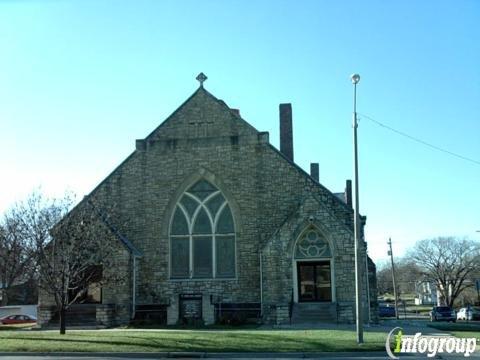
407 272
71 247
448 261
16 255
384 279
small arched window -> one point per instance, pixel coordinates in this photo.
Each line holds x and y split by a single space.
202 235
312 244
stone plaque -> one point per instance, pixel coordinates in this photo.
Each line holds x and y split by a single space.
190 306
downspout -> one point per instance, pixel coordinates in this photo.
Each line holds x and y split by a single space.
134 285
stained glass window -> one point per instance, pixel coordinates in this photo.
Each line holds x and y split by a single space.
202 257
180 257
312 245
225 252
189 204
179 223
203 224
201 189
214 203
202 234
225 221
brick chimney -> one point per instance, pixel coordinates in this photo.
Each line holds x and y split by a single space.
286 133
314 172
348 193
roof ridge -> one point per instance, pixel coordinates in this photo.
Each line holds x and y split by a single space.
232 112
213 97
125 241
169 117
304 173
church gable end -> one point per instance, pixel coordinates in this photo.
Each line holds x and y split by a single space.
221 218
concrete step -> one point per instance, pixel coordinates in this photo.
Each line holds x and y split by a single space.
313 312
84 323
325 314
307 316
74 327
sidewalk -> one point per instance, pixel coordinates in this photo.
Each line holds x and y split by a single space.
409 326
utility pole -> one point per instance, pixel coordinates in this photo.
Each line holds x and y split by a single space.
393 277
357 221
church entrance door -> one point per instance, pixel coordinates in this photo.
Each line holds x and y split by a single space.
314 281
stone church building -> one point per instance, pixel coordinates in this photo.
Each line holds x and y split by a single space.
224 227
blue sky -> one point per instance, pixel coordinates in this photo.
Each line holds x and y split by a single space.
81 80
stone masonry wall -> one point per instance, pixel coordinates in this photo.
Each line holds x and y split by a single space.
118 294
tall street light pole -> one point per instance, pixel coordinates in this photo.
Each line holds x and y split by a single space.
357 223
390 252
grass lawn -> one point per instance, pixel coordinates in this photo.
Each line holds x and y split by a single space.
422 309
190 340
460 329
458 326
467 334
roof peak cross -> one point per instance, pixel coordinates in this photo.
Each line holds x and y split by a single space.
201 78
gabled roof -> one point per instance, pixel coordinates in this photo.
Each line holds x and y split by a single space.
340 196
203 95
338 200
201 92
295 214
123 239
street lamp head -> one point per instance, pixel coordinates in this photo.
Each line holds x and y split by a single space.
355 79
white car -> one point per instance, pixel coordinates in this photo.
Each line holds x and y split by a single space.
468 314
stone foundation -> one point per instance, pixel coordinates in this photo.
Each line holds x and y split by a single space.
282 314
208 310
173 311
346 312
44 315
105 315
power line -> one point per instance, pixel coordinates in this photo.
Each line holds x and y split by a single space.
419 140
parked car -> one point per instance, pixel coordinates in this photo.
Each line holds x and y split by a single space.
468 313
18 319
386 311
442 313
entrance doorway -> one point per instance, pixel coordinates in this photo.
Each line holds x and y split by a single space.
314 281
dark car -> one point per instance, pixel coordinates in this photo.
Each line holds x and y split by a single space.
443 313
386 311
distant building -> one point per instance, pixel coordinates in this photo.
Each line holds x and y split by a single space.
426 293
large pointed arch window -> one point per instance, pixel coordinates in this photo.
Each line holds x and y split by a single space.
202 235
